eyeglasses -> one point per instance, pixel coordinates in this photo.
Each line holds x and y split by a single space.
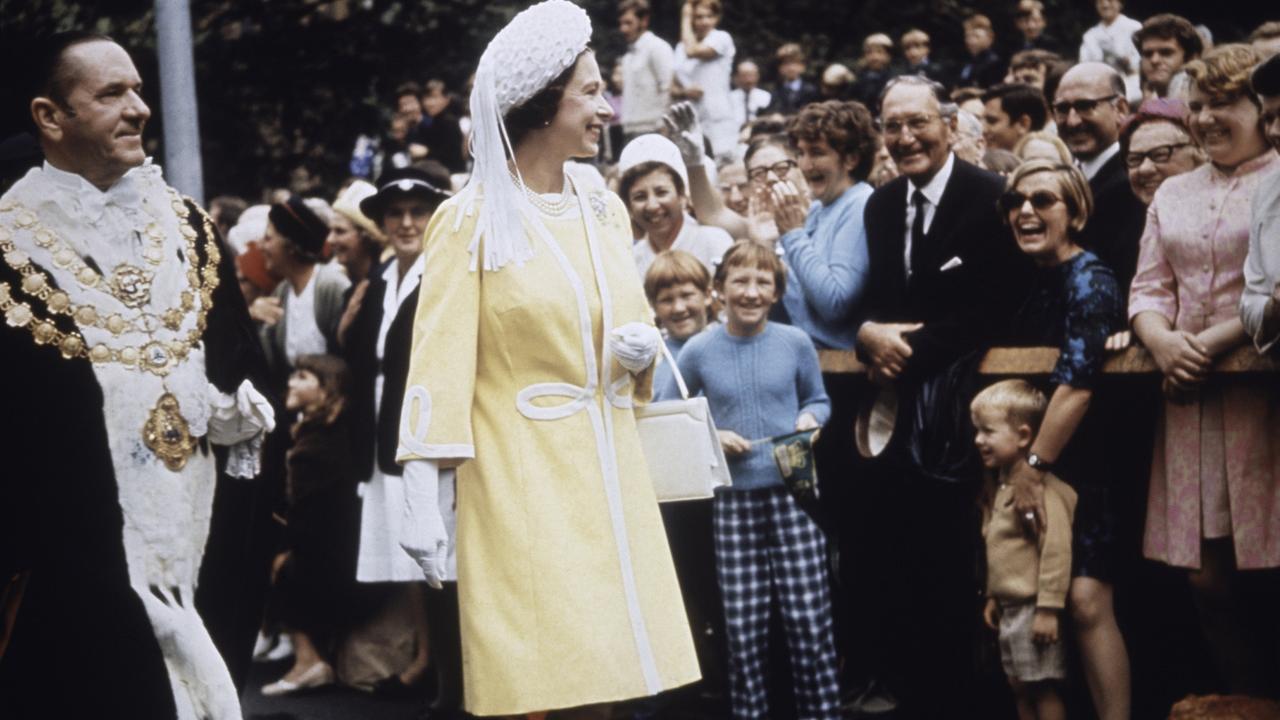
1040 200
1157 154
1083 108
779 169
916 124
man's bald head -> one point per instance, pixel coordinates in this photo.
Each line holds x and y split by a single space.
1089 108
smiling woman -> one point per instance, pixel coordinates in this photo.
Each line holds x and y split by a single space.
531 343
1216 460
1074 305
654 184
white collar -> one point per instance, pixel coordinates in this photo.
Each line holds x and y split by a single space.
688 230
1092 166
933 190
391 275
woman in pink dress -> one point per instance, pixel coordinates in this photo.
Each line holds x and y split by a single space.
1214 502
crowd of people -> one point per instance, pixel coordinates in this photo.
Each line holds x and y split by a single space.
1091 198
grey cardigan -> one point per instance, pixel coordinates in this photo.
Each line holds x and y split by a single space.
331 287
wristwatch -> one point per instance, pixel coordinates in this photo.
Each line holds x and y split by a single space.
1039 463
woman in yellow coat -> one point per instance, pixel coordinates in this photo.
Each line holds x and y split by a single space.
531 342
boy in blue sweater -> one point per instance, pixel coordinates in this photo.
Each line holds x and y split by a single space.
762 380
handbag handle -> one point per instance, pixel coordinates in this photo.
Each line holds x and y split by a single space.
675 369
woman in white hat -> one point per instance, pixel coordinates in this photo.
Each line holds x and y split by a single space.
531 341
655 188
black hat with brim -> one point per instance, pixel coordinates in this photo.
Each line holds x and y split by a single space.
1266 77
406 182
299 223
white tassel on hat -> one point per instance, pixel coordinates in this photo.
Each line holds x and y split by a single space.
523 58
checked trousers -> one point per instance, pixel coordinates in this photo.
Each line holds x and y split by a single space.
767 547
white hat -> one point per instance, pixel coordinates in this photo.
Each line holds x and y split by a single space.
251 226
653 148
348 205
524 57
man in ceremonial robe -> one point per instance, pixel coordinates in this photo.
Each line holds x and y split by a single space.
131 428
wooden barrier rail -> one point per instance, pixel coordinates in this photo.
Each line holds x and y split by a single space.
1040 361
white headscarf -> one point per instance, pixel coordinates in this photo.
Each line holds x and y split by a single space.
524 57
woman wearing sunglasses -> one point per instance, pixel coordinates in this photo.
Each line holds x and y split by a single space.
1075 304
1213 505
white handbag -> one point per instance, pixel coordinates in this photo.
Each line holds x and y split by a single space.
681 445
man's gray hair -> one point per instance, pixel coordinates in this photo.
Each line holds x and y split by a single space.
939 92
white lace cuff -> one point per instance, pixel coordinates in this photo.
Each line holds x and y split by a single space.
240 422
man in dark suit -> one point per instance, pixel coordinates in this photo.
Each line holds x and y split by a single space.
984 67
793 91
1090 109
945 275
915 50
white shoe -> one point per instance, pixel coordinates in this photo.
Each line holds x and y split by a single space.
262 646
283 650
317 675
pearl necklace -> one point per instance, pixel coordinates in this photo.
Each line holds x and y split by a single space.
558 208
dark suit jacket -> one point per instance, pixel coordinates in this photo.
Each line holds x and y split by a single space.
360 352
1115 229
962 307
983 71
395 372
790 102
443 137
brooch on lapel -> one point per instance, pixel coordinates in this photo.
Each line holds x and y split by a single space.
599 206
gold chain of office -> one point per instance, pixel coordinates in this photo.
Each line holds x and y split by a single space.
155 356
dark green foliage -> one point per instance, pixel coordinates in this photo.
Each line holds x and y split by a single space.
288 84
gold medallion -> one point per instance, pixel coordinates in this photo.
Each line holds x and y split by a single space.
167 434
131 285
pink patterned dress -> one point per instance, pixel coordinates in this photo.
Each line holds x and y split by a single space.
1216 468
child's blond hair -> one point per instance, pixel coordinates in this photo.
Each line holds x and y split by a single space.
1018 400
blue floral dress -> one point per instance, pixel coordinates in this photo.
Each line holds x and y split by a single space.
1074 307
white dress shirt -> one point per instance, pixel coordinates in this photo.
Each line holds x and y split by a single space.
746 108
302 335
1092 166
932 192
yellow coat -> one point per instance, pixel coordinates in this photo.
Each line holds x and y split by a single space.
567 590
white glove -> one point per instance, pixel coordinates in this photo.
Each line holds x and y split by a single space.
240 417
422 530
686 133
635 345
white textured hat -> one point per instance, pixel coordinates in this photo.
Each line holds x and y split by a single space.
653 148
348 205
524 57
251 226
536 46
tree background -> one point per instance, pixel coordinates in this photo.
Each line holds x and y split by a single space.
285 86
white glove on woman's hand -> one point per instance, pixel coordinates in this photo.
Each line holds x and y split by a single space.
422 531
635 345
682 126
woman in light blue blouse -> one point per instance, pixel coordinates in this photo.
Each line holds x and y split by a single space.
821 232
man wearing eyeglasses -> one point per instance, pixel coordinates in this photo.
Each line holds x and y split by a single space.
1090 109
944 273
